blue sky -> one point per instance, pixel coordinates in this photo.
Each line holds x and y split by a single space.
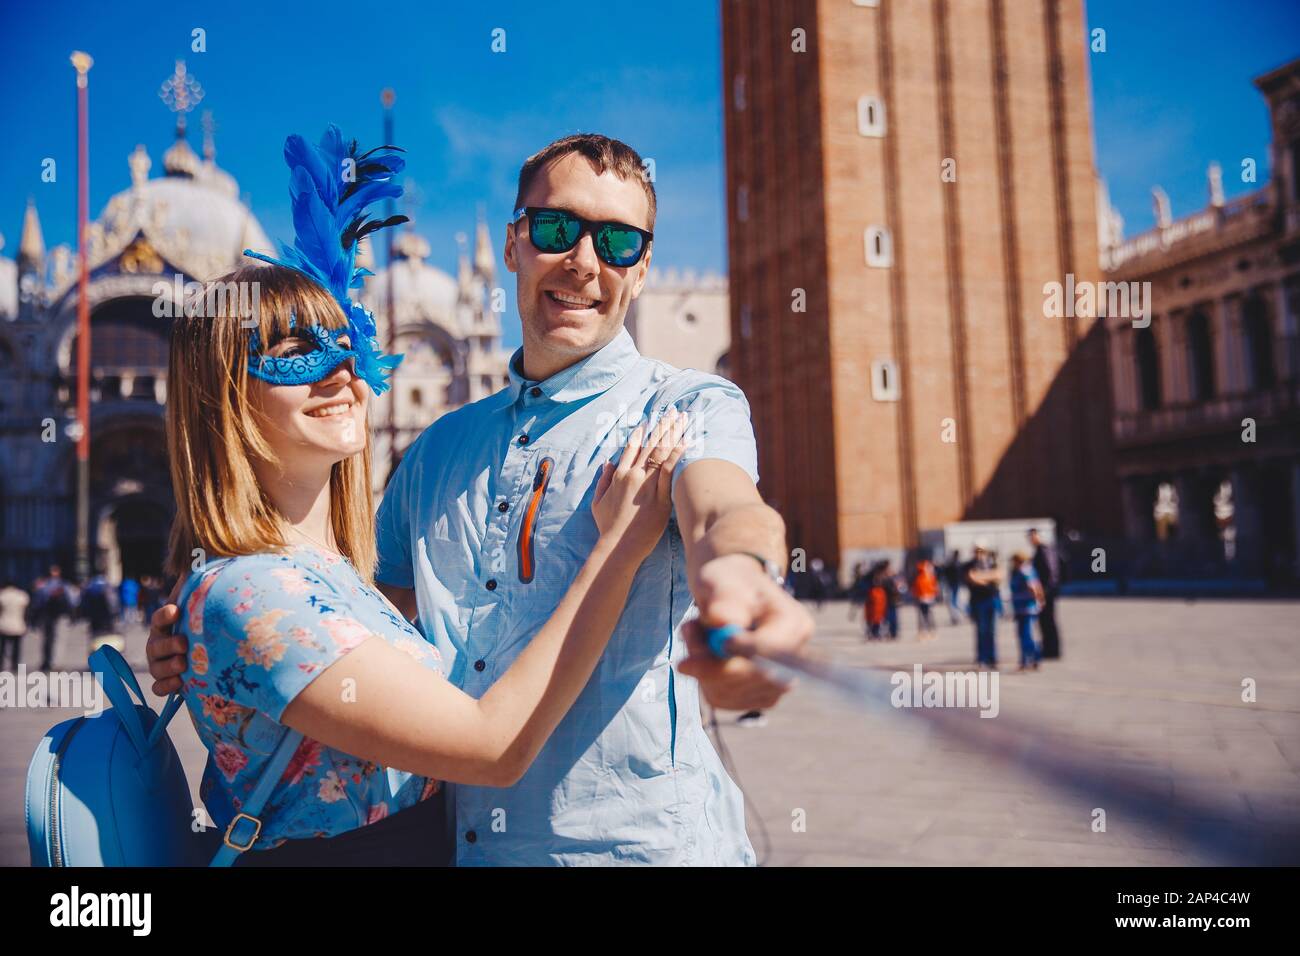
466 116
1171 92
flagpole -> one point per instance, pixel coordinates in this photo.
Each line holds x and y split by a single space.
82 63
388 97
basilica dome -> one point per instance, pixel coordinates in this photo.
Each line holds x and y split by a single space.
191 218
421 292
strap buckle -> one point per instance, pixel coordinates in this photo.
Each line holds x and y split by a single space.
257 830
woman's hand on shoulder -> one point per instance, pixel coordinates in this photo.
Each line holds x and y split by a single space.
633 498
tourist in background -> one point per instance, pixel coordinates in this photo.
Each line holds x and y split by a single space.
52 601
1047 566
129 594
925 589
14 603
97 607
858 591
151 595
982 579
952 572
1026 600
820 585
894 587
877 601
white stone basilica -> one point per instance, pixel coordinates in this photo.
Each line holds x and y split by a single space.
188 222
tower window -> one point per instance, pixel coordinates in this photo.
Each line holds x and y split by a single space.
884 380
879 247
871 116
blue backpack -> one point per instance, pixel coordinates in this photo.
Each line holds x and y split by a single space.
109 789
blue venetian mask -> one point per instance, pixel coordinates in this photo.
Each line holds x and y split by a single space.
316 355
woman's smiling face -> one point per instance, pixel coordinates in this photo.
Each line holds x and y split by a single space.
314 425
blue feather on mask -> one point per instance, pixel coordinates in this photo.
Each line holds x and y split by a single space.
331 186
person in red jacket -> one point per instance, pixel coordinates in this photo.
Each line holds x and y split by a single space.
925 588
877 602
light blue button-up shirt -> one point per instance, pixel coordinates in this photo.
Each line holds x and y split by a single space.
489 519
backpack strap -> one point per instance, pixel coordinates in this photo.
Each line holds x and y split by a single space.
246 826
164 718
118 680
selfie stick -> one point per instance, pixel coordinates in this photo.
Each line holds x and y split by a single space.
1135 794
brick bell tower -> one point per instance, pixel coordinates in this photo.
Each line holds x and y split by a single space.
903 179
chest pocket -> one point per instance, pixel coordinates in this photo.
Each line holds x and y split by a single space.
556 531
528 527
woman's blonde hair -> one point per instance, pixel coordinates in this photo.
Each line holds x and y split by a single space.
213 436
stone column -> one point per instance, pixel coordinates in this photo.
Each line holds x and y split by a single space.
1160 331
1246 516
1288 352
1174 359
1229 368
1271 302
1123 361
1137 510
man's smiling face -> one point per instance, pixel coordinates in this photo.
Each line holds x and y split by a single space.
572 304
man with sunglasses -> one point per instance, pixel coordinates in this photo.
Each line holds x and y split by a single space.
487 520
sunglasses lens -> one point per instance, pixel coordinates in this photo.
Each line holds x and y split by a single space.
553 231
619 246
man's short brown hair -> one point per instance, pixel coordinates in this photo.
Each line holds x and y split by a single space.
604 154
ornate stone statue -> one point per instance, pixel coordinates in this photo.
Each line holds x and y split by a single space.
1215 176
1223 514
1160 202
1166 510
140 164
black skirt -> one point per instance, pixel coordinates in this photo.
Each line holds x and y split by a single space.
417 836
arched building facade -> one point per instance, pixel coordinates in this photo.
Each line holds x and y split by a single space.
186 225
1206 388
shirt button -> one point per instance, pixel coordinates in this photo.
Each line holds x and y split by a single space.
503 507
492 584
523 439
480 664
471 836
535 392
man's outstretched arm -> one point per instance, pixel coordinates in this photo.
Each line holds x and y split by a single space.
724 523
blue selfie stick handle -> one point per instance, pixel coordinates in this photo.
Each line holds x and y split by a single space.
717 637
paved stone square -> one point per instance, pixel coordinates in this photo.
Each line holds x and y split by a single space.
1148 692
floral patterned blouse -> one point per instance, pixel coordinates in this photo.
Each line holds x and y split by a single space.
260 629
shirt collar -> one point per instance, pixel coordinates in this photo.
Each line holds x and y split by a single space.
597 373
